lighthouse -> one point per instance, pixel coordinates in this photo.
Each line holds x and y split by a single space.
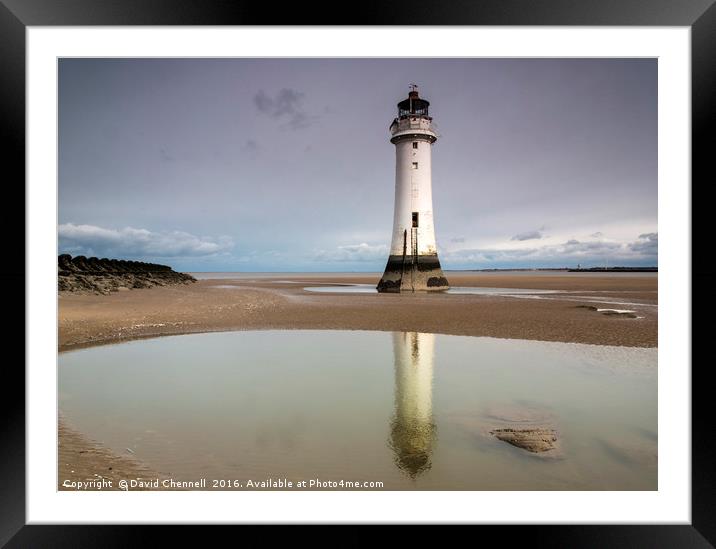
413 263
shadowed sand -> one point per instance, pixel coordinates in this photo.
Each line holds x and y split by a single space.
282 303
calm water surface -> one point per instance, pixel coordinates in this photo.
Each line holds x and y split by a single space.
411 410
371 289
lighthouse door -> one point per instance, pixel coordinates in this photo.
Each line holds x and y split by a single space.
414 250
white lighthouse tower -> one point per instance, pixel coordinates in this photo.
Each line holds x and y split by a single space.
413 264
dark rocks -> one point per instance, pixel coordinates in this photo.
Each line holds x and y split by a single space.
80 264
102 276
623 314
64 263
389 286
435 281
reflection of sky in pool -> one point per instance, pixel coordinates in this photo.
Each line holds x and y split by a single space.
370 289
523 293
411 410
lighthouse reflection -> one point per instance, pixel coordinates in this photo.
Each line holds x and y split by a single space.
412 430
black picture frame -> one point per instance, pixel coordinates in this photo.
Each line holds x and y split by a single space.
699 15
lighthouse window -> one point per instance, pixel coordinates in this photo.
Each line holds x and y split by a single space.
415 144
415 165
415 219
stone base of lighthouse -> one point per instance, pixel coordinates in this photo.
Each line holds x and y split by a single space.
403 274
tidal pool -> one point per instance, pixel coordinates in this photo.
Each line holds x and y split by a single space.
474 290
410 410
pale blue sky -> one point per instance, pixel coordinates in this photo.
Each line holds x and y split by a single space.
285 164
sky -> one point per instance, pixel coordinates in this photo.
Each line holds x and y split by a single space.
286 165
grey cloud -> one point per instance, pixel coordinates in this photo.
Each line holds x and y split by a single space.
134 243
529 235
458 240
354 252
286 105
251 145
647 244
577 247
641 251
165 156
598 234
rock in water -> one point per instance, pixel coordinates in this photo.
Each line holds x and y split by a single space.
534 440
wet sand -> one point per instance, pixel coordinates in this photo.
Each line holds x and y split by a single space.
282 303
84 460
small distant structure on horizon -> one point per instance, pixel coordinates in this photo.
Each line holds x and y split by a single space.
413 263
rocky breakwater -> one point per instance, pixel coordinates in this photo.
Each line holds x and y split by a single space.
102 276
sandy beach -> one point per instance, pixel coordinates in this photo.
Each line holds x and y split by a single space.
280 302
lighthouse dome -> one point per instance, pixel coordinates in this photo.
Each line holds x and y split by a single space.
413 105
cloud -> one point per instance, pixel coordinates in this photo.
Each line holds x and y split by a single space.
575 247
598 234
642 251
529 235
286 105
458 240
131 243
647 244
251 146
164 156
355 253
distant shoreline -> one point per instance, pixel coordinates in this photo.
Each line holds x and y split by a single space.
519 270
616 270
564 269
